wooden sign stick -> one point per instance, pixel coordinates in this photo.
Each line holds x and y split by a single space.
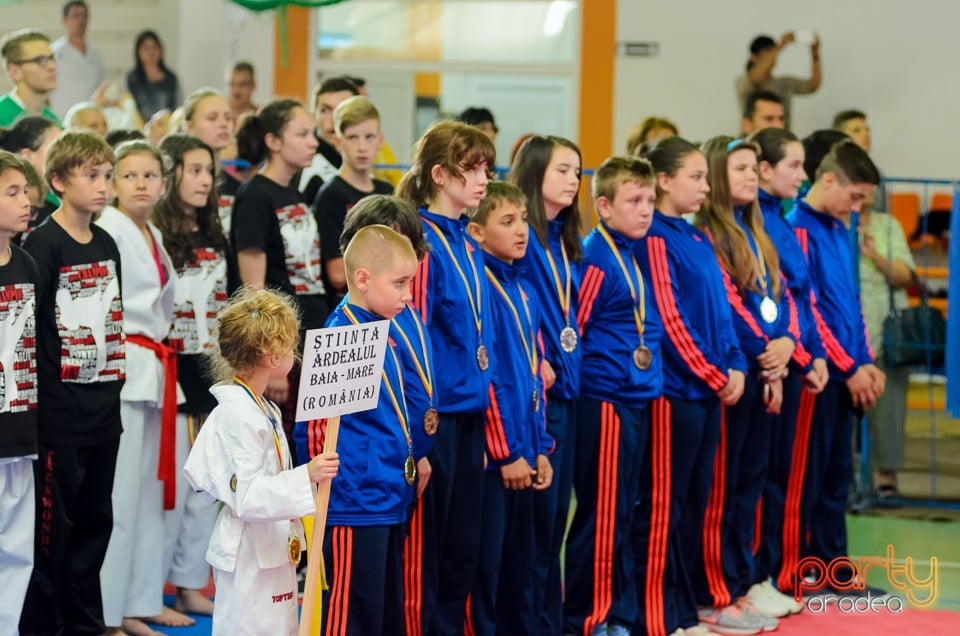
311 597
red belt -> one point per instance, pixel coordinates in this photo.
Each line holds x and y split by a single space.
167 467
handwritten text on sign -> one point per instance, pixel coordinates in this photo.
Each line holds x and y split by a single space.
341 370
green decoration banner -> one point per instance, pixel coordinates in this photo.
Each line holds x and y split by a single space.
281 7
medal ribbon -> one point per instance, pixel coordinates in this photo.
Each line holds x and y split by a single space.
562 294
761 264
263 408
528 341
401 412
473 297
423 369
639 307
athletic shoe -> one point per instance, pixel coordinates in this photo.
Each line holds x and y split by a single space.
679 632
767 623
787 599
763 602
768 601
729 620
697 630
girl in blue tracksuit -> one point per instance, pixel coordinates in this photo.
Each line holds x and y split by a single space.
781 175
845 178
703 369
620 375
449 176
765 320
517 440
547 170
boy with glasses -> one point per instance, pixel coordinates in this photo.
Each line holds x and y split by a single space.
33 70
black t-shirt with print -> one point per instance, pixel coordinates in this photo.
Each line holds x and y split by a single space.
331 206
80 341
199 295
309 192
19 282
271 218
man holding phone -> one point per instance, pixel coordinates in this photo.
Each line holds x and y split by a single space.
759 72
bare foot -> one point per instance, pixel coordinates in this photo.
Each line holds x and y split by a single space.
193 602
136 627
171 618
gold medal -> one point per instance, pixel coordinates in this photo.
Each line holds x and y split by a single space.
431 421
768 310
642 357
233 482
568 339
410 470
483 358
294 549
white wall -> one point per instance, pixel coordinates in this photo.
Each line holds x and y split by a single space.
891 58
201 37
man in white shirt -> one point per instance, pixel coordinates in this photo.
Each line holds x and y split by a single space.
80 66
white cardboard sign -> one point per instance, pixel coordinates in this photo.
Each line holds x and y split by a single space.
341 370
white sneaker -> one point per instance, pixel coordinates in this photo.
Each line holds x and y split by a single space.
768 623
768 601
697 630
787 600
679 632
730 620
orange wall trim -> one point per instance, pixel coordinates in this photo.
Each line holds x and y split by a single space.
597 57
293 79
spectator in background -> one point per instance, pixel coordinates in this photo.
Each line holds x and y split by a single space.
153 86
886 270
32 68
242 83
326 97
88 116
30 138
854 124
481 117
158 126
80 65
763 109
650 129
759 73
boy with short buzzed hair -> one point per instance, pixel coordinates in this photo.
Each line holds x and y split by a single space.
620 375
357 125
845 179
32 68
516 431
371 496
81 369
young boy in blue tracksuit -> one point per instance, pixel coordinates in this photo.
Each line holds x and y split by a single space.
703 369
370 498
845 178
621 374
517 441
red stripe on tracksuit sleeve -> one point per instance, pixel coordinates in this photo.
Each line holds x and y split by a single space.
316 434
497 445
736 303
419 287
588 294
673 322
835 351
800 355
